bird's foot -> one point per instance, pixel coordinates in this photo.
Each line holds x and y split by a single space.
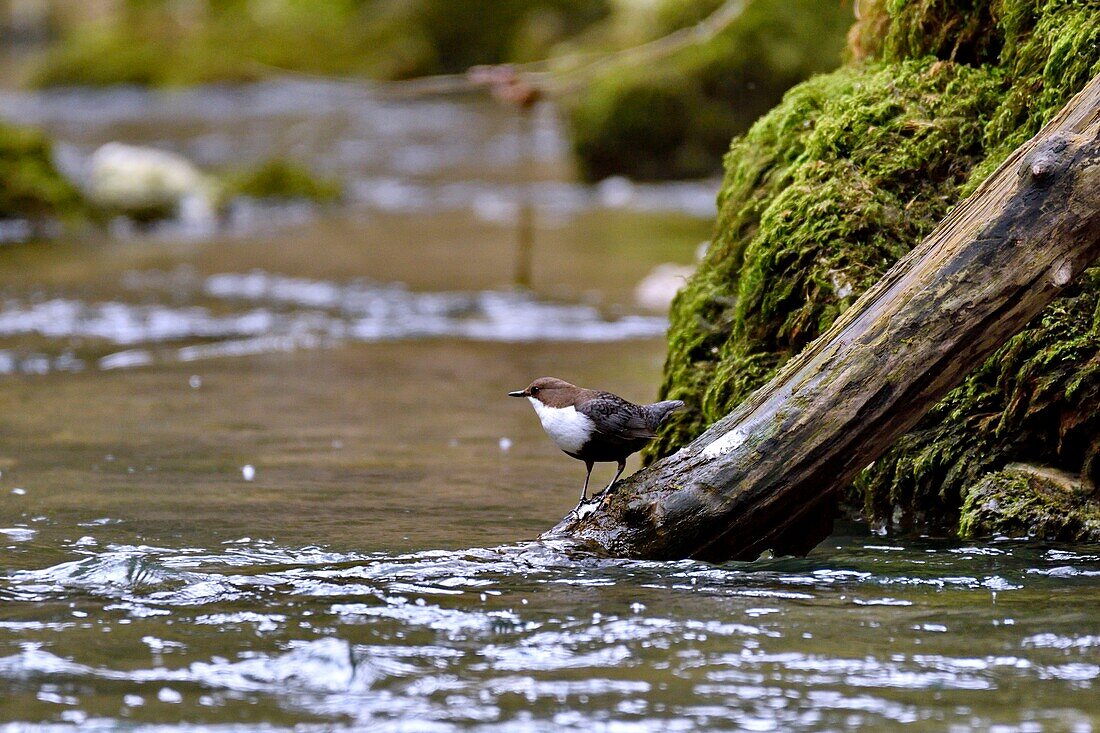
587 506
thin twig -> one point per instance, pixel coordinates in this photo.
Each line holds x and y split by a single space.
541 75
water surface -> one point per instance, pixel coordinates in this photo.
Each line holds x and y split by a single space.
268 479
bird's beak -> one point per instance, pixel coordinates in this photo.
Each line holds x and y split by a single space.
518 393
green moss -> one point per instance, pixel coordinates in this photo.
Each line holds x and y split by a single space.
848 173
1049 55
1046 49
964 32
30 186
675 119
281 179
1036 400
820 197
1026 501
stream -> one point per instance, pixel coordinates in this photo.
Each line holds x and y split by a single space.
264 476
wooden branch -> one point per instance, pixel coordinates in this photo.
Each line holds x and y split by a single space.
767 469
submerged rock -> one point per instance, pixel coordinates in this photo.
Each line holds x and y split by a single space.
657 289
847 174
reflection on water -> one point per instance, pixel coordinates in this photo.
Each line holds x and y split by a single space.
293 313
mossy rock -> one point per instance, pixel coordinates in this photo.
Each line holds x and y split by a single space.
819 199
281 180
674 119
847 174
30 186
1031 501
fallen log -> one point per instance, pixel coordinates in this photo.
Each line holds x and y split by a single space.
761 477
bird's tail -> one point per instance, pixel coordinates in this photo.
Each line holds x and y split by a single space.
658 412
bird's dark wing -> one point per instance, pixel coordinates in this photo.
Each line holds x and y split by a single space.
616 418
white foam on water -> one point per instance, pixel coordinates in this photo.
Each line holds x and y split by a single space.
458 636
261 312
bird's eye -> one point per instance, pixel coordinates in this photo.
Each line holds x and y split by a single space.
534 390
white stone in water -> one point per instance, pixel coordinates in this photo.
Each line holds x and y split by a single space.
18 491
125 359
167 694
615 192
195 381
133 701
659 287
505 444
249 472
131 178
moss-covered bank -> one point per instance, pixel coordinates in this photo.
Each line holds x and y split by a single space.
675 118
31 189
848 173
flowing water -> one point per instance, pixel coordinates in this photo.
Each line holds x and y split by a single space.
266 478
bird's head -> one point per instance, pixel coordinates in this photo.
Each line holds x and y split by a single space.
549 391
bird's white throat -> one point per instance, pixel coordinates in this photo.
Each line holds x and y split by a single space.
565 426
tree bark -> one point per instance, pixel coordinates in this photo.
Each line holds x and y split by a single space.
760 476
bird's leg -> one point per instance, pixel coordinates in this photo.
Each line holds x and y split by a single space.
584 491
622 467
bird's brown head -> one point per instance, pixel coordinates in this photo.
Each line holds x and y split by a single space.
550 391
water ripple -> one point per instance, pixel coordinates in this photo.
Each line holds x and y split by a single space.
476 636
287 314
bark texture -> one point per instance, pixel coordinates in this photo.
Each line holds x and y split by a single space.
759 476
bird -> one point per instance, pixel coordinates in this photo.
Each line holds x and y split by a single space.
592 425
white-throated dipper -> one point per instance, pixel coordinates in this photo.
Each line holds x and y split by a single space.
594 426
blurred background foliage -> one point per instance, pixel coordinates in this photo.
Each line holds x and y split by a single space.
673 118
30 186
181 42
